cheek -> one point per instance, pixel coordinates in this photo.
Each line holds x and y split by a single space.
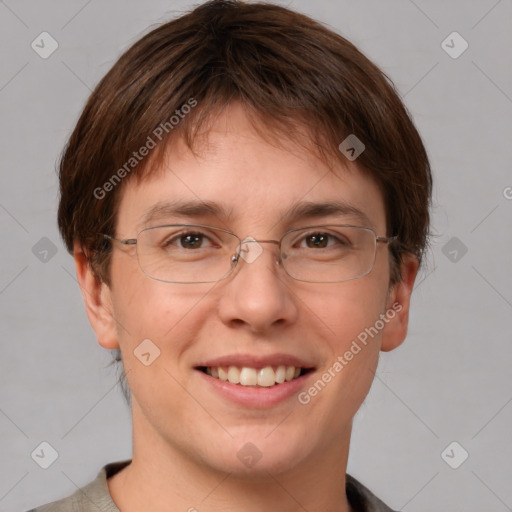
350 316
344 311
148 309
355 348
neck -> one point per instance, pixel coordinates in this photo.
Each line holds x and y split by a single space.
162 475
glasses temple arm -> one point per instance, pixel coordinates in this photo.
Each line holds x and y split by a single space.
126 241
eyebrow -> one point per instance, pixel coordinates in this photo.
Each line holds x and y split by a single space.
299 211
311 210
179 208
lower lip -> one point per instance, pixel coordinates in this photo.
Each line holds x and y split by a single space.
256 396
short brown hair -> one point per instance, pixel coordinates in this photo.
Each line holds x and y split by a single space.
286 69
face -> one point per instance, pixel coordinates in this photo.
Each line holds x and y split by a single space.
257 317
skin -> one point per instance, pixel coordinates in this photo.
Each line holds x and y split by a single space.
185 435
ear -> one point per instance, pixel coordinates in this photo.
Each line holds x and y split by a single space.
398 300
97 298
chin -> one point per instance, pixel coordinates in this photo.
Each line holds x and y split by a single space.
258 454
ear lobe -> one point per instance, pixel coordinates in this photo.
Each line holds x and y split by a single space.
399 299
97 299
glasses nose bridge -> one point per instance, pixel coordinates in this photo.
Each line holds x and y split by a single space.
278 242
243 248
252 240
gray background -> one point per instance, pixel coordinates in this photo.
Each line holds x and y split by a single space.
449 382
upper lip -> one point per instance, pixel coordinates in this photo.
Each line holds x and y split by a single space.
256 361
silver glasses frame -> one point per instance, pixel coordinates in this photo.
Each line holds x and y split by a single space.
235 258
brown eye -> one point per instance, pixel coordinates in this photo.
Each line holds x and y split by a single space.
186 240
191 240
323 240
317 240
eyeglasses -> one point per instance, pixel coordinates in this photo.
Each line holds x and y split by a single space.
195 253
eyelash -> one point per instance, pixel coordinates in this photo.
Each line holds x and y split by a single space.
304 237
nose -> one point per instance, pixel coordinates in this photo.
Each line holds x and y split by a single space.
257 295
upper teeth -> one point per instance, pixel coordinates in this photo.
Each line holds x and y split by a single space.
246 376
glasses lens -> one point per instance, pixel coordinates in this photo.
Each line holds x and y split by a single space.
194 253
186 253
329 254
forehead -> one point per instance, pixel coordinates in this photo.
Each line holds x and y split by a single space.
241 179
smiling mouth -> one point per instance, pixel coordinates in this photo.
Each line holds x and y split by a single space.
261 377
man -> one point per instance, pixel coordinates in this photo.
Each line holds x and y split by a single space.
247 203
